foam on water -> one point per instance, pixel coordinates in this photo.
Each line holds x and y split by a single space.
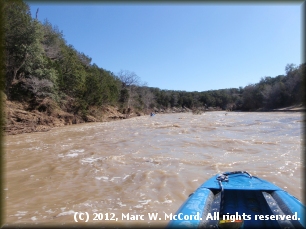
144 165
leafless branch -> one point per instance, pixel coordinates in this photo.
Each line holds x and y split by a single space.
128 78
39 87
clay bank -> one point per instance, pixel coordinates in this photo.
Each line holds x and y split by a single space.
24 118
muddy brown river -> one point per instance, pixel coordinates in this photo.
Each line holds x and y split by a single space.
144 165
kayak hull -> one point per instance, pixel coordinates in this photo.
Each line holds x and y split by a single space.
243 201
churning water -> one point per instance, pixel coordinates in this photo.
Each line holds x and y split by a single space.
143 165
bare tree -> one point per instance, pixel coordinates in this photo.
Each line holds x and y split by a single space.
148 98
40 88
128 78
129 82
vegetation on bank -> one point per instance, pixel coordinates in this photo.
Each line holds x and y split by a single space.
39 64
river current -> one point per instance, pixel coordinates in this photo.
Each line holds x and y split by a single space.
143 165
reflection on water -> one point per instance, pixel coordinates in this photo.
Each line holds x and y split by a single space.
143 165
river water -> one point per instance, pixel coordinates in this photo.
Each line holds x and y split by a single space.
143 165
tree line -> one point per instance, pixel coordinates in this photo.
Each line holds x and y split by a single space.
269 93
40 64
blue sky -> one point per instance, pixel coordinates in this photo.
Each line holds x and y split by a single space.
180 46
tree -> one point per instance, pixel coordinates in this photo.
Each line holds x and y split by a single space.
19 37
52 39
85 60
25 56
148 98
40 88
128 78
249 92
129 81
290 68
72 73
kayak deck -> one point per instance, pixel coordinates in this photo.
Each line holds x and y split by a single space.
249 205
239 201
